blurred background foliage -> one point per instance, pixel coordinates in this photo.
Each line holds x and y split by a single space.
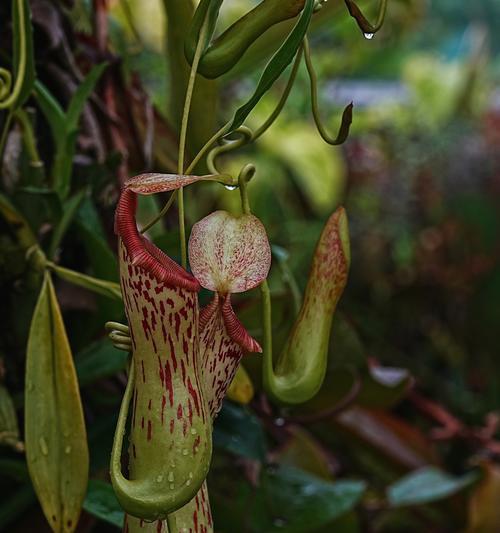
403 434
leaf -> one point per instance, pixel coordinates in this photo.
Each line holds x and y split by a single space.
281 59
105 288
69 211
81 95
25 27
238 431
241 389
484 511
56 440
427 485
102 503
17 221
304 502
53 112
99 360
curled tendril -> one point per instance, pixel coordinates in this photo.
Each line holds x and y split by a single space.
364 24
345 125
9 94
228 145
119 335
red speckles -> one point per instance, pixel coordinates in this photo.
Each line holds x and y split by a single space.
159 526
172 352
134 451
177 319
172 424
195 521
170 303
150 429
183 371
163 403
190 412
179 412
142 422
196 444
194 395
143 372
189 331
185 346
169 384
149 404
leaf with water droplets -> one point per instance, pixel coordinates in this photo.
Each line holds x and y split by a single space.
56 440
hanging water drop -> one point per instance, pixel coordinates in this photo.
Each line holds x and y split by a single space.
231 187
67 450
369 36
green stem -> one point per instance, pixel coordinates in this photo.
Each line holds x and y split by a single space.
21 70
161 214
284 97
346 116
5 132
182 141
28 137
267 324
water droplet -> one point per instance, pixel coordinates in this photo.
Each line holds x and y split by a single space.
188 482
190 475
170 476
67 450
43 446
159 479
231 187
172 486
369 36
172 463
280 422
31 386
193 431
184 451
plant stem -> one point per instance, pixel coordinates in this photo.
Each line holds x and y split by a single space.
284 97
5 132
161 214
21 69
346 116
182 140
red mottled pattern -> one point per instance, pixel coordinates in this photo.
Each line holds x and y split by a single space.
170 418
228 254
153 183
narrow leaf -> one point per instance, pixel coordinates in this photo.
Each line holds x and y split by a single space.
69 212
102 503
281 59
100 286
53 112
427 485
81 95
56 440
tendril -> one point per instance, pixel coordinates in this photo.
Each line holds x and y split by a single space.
345 125
9 94
363 23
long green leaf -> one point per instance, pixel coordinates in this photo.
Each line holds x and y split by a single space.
53 112
427 485
56 440
100 286
82 94
69 212
281 59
